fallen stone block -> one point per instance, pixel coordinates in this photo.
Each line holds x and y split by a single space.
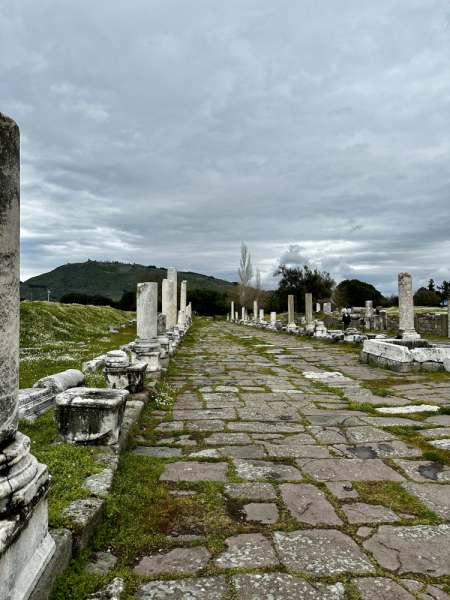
60 382
34 401
85 515
94 364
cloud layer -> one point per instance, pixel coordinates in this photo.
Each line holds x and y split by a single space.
167 132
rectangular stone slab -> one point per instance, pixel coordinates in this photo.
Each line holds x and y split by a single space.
207 414
261 469
205 588
335 469
282 586
265 427
253 491
195 471
308 504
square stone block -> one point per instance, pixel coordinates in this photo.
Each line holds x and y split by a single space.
195 471
90 415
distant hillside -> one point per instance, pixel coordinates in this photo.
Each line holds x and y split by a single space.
109 279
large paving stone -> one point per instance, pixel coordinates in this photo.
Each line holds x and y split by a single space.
170 426
390 421
380 588
391 449
254 491
368 513
342 489
195 471
333 420
205 588
367 433
228 438
265 427
248 551
205 425
393 410
252 451
412 549
321 552
262 512
221 397
261 469
263 397
308 504
435 433
299 438
335 469
424 470
265 413
180 560
328 435
439 420
297 451
158 452
281 586
435 497
207 414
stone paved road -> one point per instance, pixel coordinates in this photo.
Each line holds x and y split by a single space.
320 490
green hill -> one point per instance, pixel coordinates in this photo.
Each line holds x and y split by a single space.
109 279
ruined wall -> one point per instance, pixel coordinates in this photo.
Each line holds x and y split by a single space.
425 324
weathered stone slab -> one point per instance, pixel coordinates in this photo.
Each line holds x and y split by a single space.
209 453
424 471
335 469
393 410
412 549
368 513
380 588
103 563
328 435
158 451
205 425
444 444
228 438
248 551
260 469
367 433
202 415
265 513
321 552
435 433
85 515
254 491
380 450
308 504
205 588
364 532
180 560
170 426
221 396
297 451
265 427
435 593
195 471
391 421
282 586
267 436
299 438
249 399
264 413
435 497
253 451
333 420
99 485
439 420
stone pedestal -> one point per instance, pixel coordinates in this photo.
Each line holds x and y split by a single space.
136 372
25 545
320 331
291 320
164 343
308 308
90 415
161 324
369 309
120 374
148 351
406 307
327 307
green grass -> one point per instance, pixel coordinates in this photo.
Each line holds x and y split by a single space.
54 330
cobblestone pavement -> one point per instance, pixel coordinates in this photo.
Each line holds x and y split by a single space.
329 502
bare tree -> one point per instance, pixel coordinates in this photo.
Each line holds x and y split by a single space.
245 272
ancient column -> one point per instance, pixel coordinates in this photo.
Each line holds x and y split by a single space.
243 313
317 307
273 317
261 314
183 293
172 276
291 320
168 306
236 316
25 544
406 307
448 317
147 310
255 310
232 310
308 308
369 309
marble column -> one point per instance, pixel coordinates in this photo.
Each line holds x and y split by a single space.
308 308
448 317
173 276
25 544
236 316
261 314
243 313
255 310
169 291
317 307
369 309
291 320
273 317
406 307
232 310
147 347
183 296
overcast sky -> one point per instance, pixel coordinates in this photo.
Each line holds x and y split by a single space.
167 132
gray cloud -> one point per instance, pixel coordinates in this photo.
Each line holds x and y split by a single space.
168 132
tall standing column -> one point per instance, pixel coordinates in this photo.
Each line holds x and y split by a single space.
369 309
25 544
243 313
291 320
406 307
255 310
261 314
173 276
183 295
168 306
147 310
273 317
448 317
232 310
308 308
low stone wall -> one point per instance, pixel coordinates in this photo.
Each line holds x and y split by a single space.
425 323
